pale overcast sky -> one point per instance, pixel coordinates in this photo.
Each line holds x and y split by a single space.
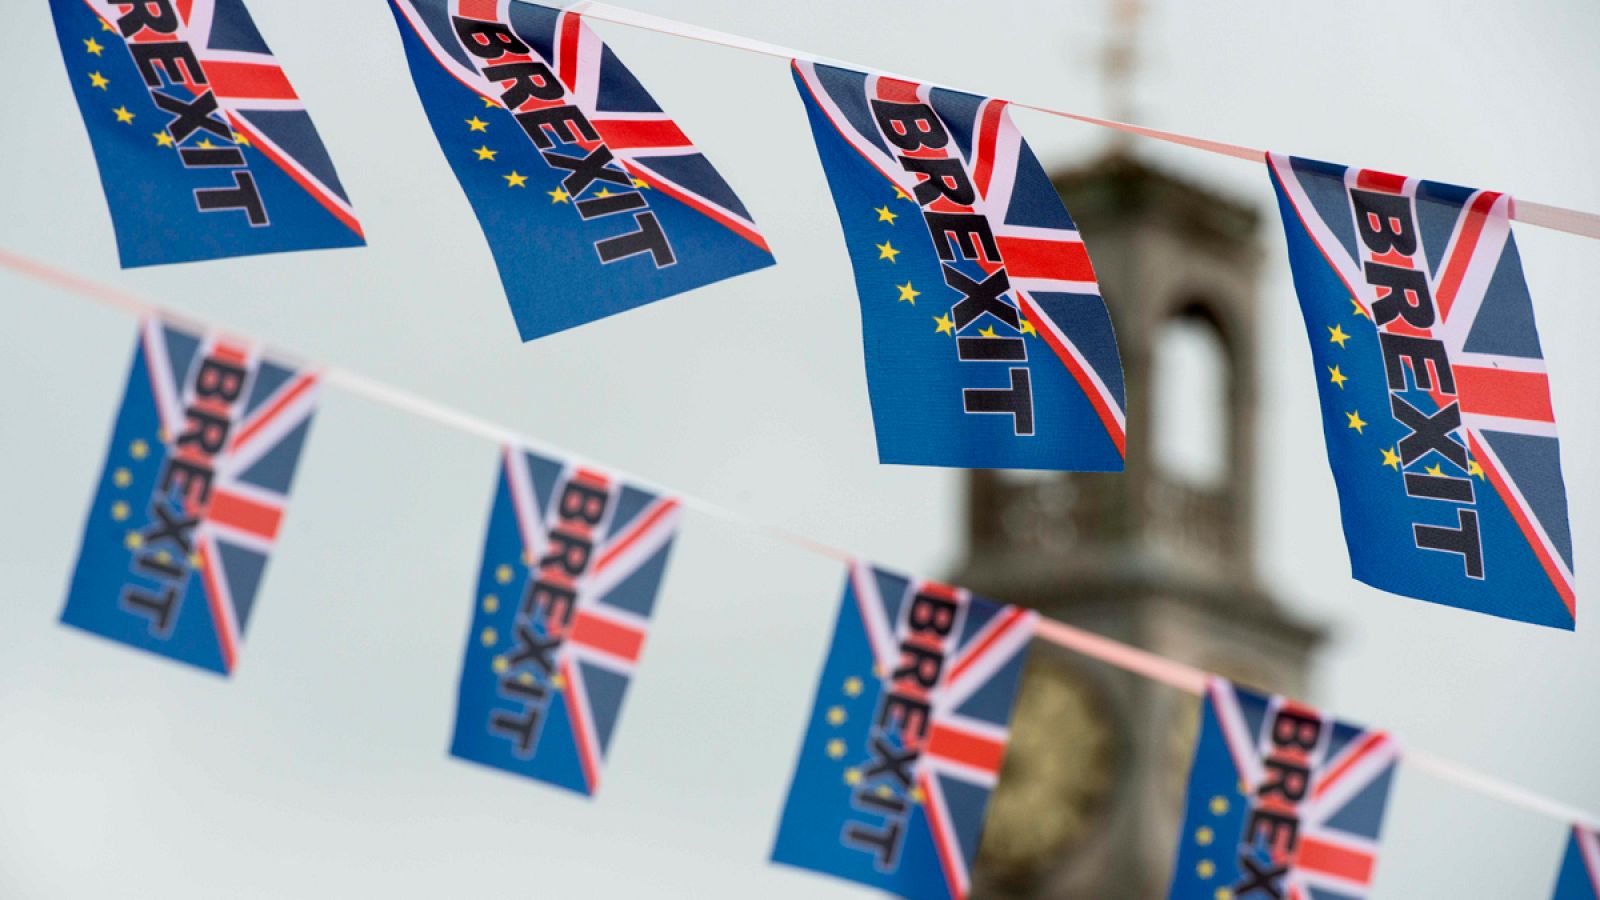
320 768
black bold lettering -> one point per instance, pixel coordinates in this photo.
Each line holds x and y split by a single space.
883 843
1428 360
1293 729
158 609
982 349
177 59
569 551
931 613
947 177
964 227
1463 540
647 238
187 117
979 297
156 15
195 479
487 40
1017 401
583 502
219 379
1406 295
921 664
566 122
1384 222
208 430
595 207
243 195
886 760
1439 487
1428 432
909 126
529 81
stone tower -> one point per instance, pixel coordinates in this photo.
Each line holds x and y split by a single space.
1159 556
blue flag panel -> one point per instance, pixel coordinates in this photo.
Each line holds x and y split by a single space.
987 344
593 200
1579 878
1283 801
1435 401
572 563
195 484
204 149
907 735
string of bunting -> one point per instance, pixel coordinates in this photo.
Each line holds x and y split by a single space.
1435 396
1227 706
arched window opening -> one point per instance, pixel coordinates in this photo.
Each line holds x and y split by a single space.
1191 381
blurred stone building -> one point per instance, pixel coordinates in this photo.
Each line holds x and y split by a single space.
1161 556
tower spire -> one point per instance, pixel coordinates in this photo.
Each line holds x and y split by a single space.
1119 62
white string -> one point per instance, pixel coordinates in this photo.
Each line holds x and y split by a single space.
1558 218
1158 668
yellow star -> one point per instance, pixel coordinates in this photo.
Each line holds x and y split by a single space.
1360 310
122 477
163 557
485 153
1337 335
908 294
1337 377
559 195
1435 470
133 541
1223 894
852 686
1355 421
835 749
884 791
194 560
558 681
852 776
1474 469
515 180
885 214
525 678
104 25
987 332
836 716
98 80
1206 868
1391 458
1204 836
527 558
138 449
1027 327
916 795
477 124
164 139
899 194
491 603
123 115
945 324
1219 805
641 184
603 192
205 144
119 511
503 574
887 252
240 139
489 637
93 46
489 102
500 665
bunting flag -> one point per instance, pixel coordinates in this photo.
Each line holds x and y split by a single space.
907 734
572 563
1579 878
1435 402
204 149
593 200
194 488
1283 801
987 344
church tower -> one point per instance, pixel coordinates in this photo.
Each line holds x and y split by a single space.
1160 556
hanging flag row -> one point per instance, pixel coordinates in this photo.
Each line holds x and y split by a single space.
907 734
1436 404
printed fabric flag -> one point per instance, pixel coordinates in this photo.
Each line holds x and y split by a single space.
1579 878
204 149
592 199
572 563
1283 801
987 343
195 485
1435 401
907 734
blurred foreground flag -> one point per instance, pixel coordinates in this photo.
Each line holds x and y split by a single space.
1435 402
1579 878
195 485
907 734
204 149
986 341
572 563
592 199
1282 802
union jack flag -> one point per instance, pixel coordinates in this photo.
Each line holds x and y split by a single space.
1435 396
1283 801
907 735
573 243
987 342
1579 878
193 493
572 563
204 148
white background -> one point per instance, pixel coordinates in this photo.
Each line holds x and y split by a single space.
319 770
